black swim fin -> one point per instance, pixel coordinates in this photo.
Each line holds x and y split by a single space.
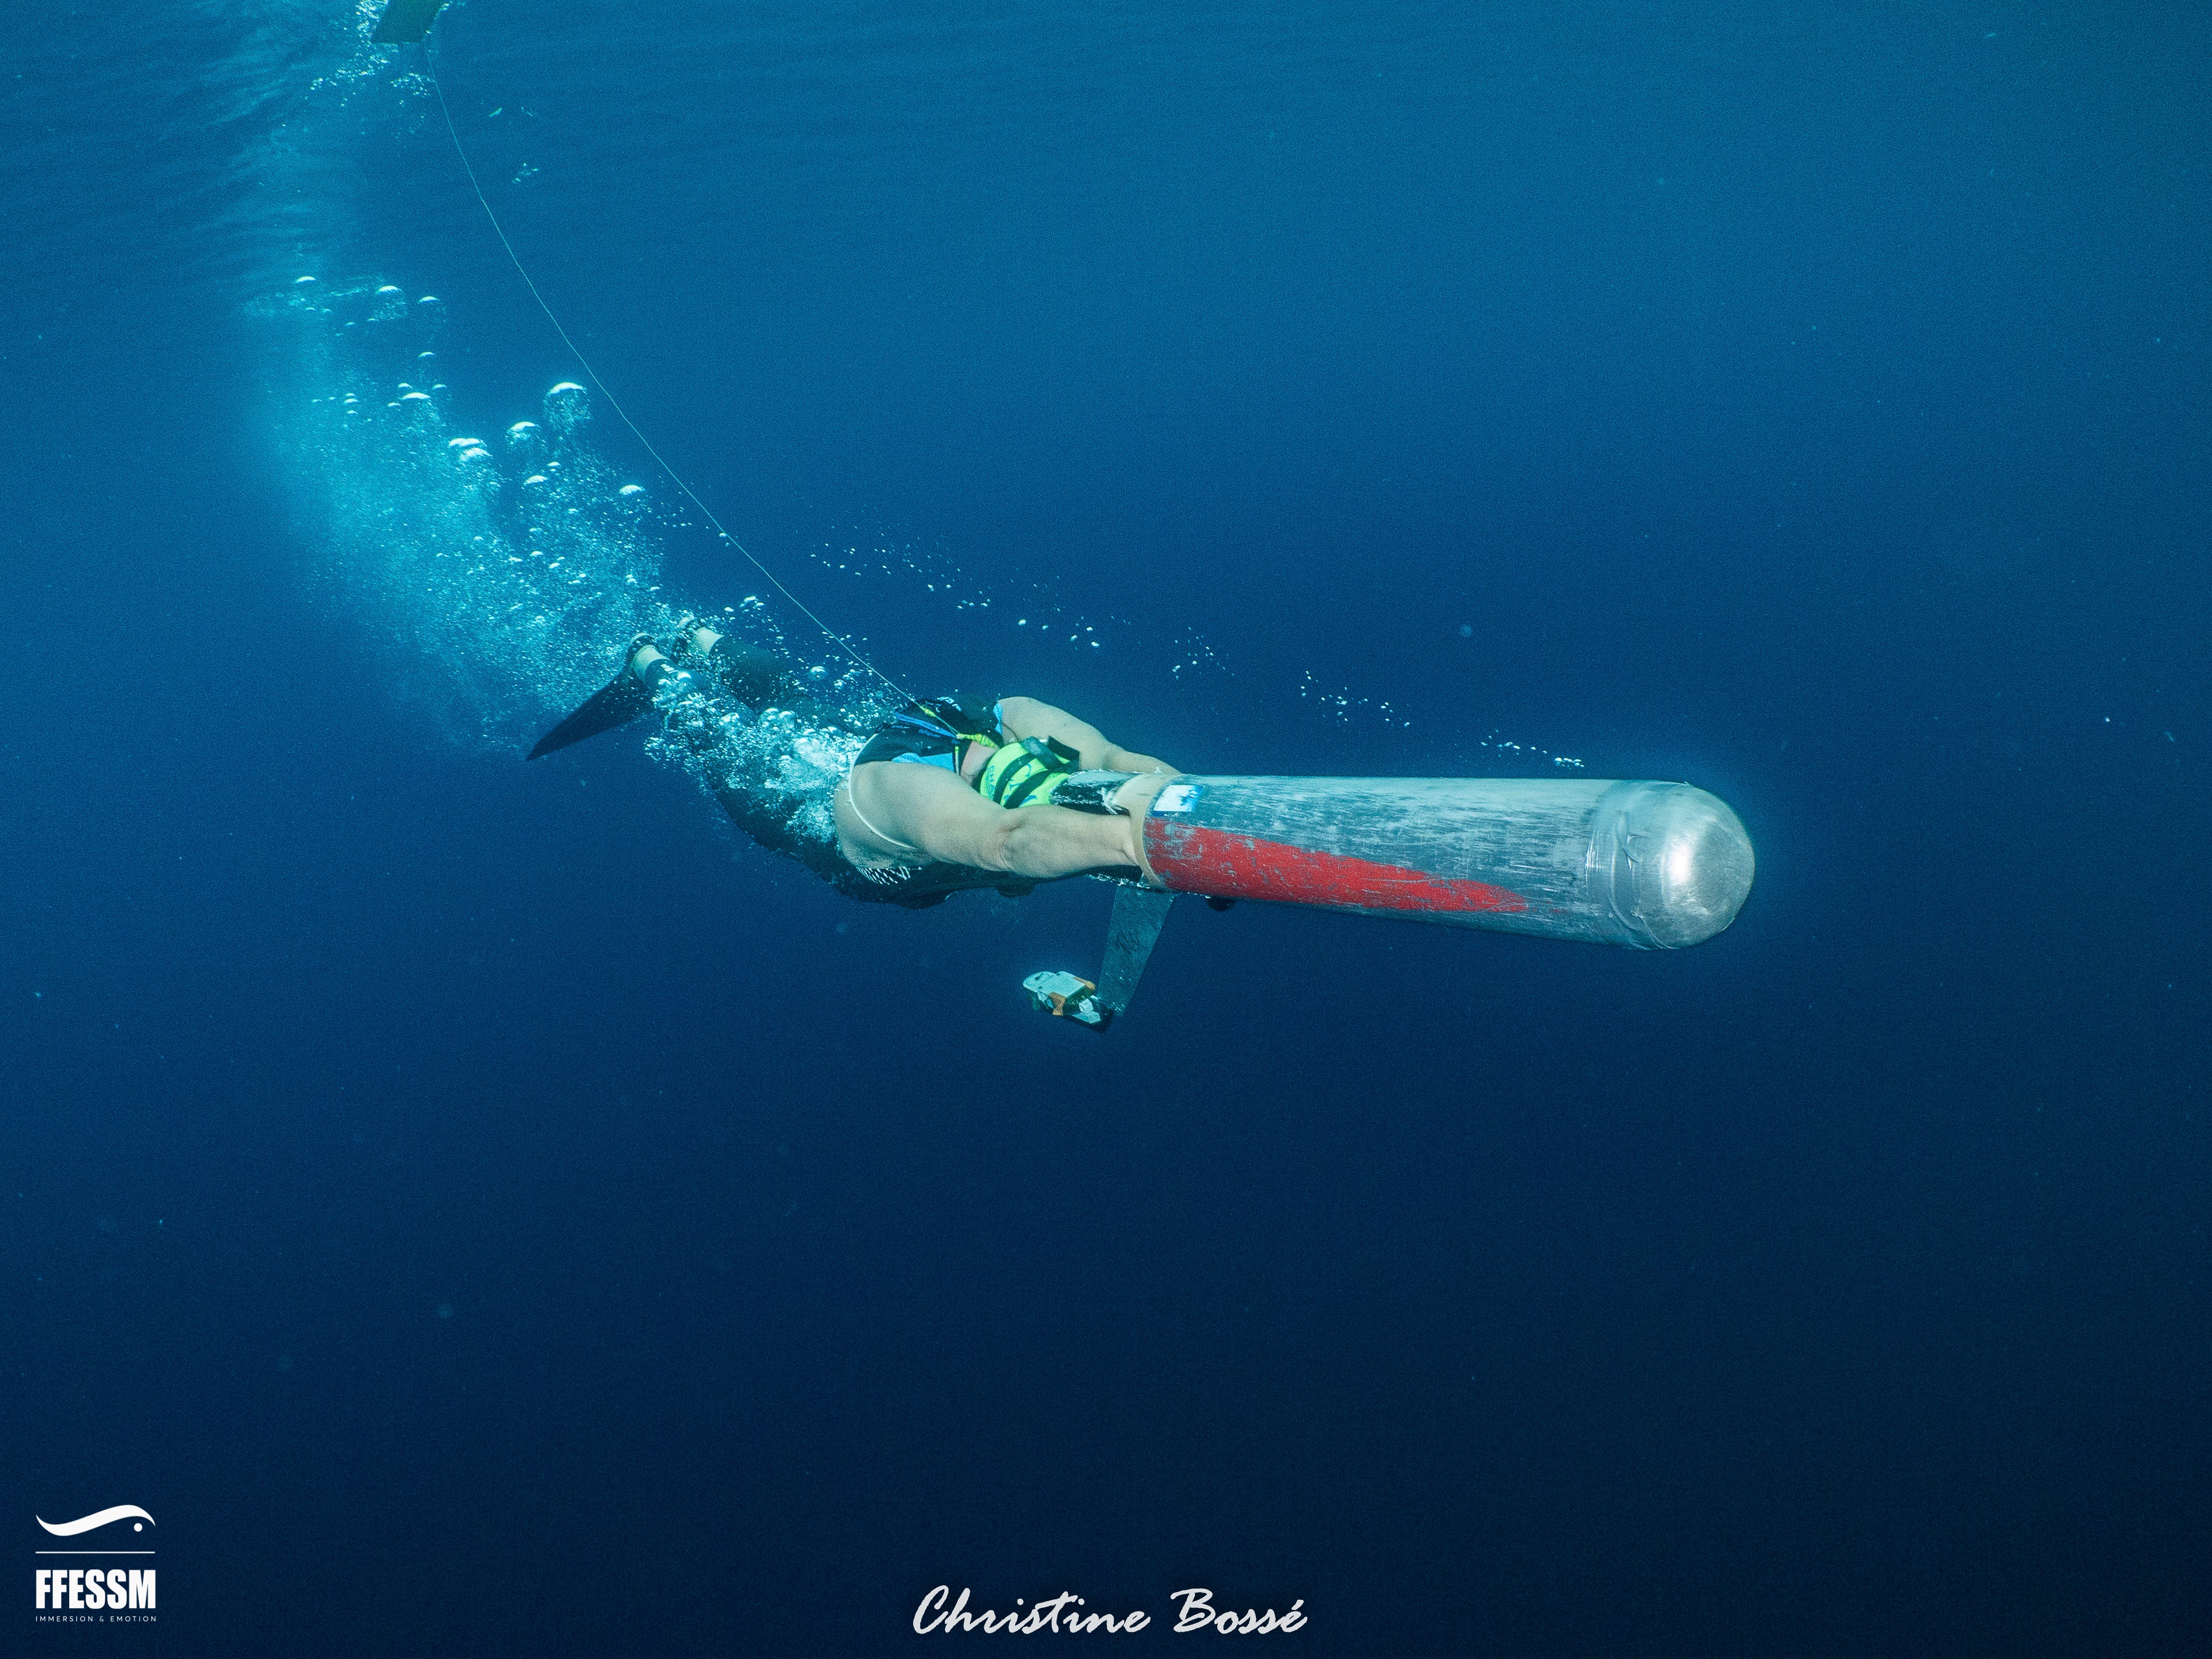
618 703
406 19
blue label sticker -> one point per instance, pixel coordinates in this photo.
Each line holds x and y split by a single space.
1178 798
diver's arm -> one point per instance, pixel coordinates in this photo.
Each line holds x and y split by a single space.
1026 717
933 812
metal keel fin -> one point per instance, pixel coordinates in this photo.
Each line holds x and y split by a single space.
1139 915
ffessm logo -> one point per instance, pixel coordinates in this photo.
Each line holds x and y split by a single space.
91 1592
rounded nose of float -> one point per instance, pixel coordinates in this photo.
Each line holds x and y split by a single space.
1689 864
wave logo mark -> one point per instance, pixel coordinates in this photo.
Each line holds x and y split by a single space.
85 1523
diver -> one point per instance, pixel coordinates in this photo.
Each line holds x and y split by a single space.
950 792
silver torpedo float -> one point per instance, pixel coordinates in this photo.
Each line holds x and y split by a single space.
1653 865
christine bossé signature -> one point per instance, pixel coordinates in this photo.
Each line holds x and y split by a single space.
1065 1614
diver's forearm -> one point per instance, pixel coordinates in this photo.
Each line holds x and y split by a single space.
1045 842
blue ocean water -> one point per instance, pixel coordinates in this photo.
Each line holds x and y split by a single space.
495 1209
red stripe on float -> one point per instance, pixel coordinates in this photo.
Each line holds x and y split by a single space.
1192 859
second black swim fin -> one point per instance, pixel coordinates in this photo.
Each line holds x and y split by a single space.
618 703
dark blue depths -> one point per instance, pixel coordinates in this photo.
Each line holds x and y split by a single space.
488 1209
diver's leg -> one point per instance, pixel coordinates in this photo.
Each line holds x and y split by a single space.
763 678
692 711
748 674
699 714
752 674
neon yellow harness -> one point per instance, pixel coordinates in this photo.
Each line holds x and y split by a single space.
1026 774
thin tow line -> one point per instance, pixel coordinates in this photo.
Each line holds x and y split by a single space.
430 69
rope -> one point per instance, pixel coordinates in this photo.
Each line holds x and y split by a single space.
593 375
